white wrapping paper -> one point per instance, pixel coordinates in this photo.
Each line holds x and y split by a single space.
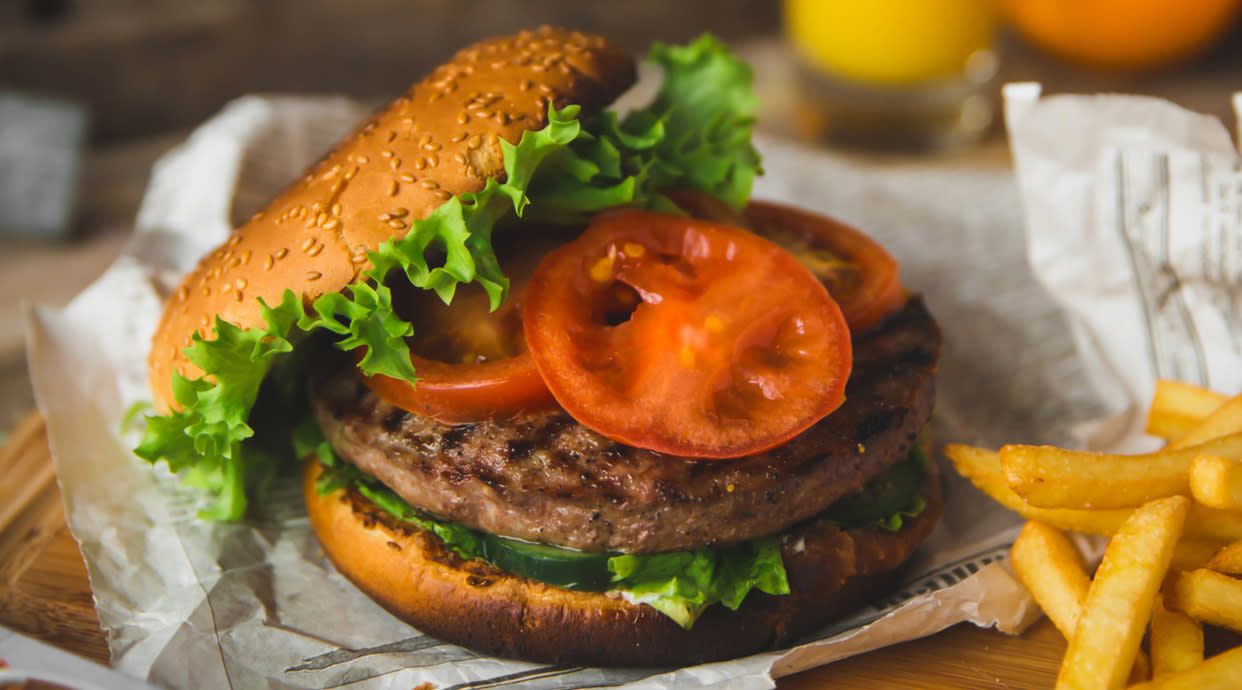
1134 212
191 604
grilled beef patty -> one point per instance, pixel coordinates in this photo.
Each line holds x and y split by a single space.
544 477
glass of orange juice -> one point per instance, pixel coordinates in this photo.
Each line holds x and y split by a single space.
894 74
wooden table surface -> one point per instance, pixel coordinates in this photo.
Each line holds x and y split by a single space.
44 593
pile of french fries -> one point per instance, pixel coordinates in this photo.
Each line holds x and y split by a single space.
1175 521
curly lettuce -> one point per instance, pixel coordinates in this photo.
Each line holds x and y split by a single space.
695 134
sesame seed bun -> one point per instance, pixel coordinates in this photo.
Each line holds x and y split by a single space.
470 603
439 139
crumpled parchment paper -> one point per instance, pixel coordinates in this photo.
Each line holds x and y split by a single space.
192 604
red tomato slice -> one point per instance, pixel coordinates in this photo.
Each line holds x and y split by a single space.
472 363
857 271
685 337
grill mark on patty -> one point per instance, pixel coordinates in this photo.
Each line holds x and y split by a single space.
875 423
452 437
394 419
544 477
519 449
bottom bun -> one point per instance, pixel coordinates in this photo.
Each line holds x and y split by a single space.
470 603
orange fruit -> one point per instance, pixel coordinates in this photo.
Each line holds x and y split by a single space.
1122 34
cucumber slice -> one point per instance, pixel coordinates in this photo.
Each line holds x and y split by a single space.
552 565
890 493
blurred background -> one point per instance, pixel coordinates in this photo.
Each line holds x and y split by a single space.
92 92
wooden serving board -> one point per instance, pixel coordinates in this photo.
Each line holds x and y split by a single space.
44 593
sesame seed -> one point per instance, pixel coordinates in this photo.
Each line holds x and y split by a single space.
475 142
237 295
392 135
424 140
460 158
419 163
463 118
321 218
349 174
400 212
235 262
310 242
432 161
394 163
483 113
245 257
316 207
459 137
396 223
384 217
502 118
233 241
386 153
429 184
313 275
336 209
407 178
443 195
268 263
315 251
362 158
332 224
392 188
432 147
281 253
359 259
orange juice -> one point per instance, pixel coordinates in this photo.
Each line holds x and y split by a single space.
893 74
890 42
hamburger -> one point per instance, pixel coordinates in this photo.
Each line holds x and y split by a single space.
557 388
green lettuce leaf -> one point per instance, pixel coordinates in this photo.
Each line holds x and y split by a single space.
204 438
695 134
682 584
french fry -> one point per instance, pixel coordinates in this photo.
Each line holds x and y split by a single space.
1052 570
1221 672
1208 596
1192 554
1225 419
1227 560
1213 524
1176 641
983 468
1177 408
1216 482
1119 602
1051 477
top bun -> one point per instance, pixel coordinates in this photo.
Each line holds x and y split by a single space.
441 138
